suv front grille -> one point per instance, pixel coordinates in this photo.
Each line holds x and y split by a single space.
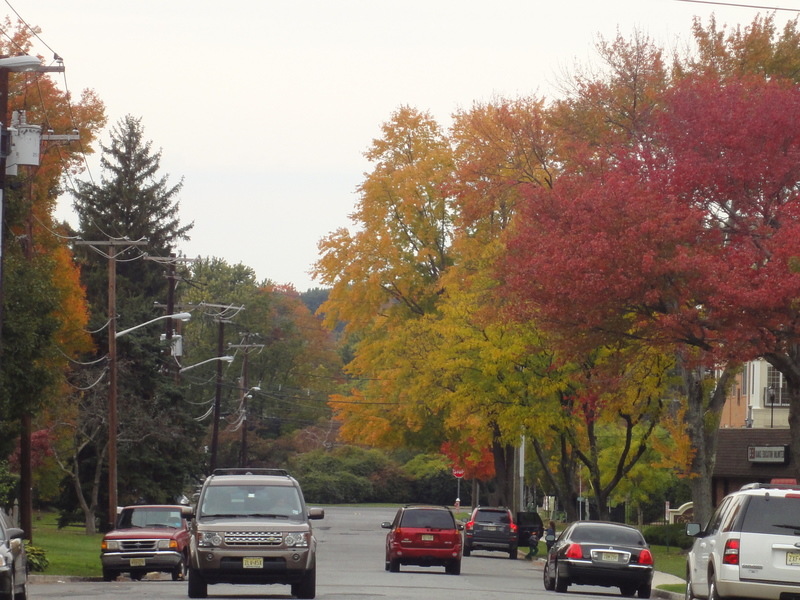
253 538
133 545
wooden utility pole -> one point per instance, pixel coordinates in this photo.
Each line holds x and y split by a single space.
113 425
245 395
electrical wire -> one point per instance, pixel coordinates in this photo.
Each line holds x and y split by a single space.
738 5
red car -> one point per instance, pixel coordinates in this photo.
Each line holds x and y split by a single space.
148 538
425 536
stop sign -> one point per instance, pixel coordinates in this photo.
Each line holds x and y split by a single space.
458 472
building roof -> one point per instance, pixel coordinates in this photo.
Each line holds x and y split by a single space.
734 460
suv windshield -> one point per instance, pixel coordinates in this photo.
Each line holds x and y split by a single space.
431 519
493 516
773 515
250 501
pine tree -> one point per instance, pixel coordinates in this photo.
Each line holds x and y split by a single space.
135 202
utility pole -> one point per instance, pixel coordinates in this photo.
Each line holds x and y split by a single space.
24 147
113 425
245 395
217 397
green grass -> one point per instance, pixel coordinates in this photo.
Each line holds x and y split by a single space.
69 550
670 559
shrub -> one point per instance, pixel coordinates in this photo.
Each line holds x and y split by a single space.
37 558
673 534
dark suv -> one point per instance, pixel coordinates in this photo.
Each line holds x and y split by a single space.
426 536
252 526
750 548
491 528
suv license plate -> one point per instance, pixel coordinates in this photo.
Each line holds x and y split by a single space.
253 563
427 537
137 562
793 559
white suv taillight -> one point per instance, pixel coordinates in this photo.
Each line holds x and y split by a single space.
730 556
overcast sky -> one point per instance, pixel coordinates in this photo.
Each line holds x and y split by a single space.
265 107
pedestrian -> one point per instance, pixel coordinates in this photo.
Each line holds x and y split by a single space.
550 535
533 545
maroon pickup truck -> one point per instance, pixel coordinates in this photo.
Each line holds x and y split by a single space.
148 538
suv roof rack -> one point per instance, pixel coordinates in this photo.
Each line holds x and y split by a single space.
249 471
770 486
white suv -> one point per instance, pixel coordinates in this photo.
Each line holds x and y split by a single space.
750 547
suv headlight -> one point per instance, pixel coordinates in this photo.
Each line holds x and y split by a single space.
109 545
167 544
209 539
296 540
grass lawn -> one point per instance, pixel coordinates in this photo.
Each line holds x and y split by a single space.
69 550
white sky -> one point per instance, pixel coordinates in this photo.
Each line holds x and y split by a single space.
265 107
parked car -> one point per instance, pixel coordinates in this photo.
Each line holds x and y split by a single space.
750 546
491 528
528 523
425 536
253 526
13 561
600 553
147 538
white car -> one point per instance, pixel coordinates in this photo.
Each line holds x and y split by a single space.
750 547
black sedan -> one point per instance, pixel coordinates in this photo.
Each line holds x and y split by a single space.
600 553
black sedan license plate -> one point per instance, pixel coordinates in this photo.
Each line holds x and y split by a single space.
609 557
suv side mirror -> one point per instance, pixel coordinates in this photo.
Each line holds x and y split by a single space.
694 529
316 513
386 525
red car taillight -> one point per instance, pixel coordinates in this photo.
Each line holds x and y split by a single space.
513 528
730 556
574 551
469 525
645 557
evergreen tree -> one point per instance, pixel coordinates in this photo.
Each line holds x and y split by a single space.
157 440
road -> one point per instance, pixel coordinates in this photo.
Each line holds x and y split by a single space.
350 566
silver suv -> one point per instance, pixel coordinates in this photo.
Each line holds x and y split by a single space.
252 526
750 547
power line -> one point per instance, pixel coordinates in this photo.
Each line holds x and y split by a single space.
736 4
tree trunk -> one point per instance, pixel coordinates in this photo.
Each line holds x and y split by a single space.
702 418
789 366
503 472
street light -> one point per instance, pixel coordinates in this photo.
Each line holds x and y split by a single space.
227 359
112 405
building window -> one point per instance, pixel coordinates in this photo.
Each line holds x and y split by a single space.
776 393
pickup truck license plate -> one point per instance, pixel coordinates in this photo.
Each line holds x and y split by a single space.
253 563
793 559
427 537
137 562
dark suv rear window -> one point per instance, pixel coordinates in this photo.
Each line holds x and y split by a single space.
492 516
774 515
431 519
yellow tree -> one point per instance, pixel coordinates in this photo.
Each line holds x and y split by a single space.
387 274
